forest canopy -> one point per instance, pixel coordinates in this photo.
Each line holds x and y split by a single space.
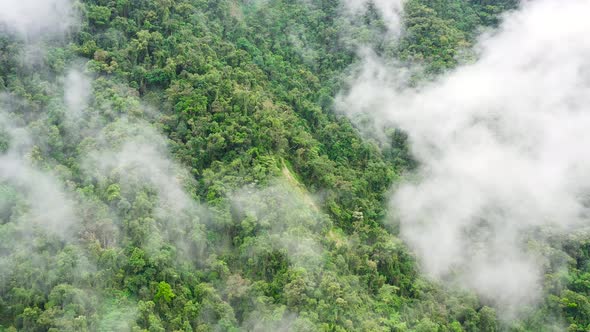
182 165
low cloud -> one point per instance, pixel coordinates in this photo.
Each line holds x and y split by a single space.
390 11
37 17
285 219
48 205
501 144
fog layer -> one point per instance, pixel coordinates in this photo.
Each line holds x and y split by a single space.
502 145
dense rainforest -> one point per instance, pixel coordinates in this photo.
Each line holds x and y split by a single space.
178 165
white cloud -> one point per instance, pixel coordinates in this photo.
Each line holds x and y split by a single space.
502 143
36 17
49 207
390 11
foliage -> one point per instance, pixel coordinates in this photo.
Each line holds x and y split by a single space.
284 225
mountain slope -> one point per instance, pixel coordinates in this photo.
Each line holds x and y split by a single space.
177 165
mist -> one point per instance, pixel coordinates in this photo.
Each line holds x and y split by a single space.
130 158
32 18
390 11
502 146
50 208
300 222
110 230
48 224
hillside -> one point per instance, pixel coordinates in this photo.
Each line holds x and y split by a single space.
185 165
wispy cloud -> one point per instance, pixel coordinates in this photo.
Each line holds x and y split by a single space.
502 147
37 17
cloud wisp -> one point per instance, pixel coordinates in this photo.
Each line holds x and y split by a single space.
501 143
33 18
390 11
